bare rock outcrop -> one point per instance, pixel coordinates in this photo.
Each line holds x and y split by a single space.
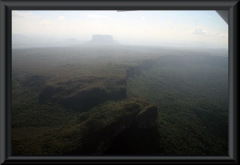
109 120
147 117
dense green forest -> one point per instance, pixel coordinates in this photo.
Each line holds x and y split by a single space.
119 100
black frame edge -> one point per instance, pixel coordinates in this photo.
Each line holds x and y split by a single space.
5 81
120 5
8 80
3 50
233 52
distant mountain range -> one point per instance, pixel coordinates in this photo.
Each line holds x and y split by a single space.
18 38
22 41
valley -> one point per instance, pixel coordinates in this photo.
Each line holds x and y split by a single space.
119 100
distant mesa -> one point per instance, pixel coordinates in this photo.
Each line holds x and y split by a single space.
98 39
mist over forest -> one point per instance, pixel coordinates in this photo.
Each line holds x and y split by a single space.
31 41
103 97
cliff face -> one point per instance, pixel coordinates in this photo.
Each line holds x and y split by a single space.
177 61
147 117
102 40
107 121
82 100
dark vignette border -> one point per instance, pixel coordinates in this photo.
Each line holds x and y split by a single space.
6 6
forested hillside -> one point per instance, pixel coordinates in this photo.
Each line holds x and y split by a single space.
119 100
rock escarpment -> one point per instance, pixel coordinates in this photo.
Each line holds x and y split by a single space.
177 61
81 100
109 120
147 117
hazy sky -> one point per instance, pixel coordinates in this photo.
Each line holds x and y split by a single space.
132 27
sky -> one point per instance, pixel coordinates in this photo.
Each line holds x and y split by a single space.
147 27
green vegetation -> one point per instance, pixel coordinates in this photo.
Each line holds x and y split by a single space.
84 133
193 106
118 101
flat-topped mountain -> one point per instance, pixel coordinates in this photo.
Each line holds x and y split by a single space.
98 39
